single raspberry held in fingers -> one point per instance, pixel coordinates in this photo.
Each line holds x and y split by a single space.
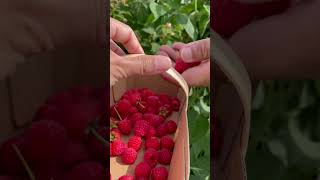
161 130
86 171
159 173
141 128
171 126
118 147
153 143
126 177
167 143
182 66
142 170
124 126
135 142
151 133
46 142
165 157
135 117
129 156
175 104
151 157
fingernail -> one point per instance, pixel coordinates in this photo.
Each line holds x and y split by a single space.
186 54
162 63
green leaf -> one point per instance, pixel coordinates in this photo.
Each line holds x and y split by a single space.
157 10
199 126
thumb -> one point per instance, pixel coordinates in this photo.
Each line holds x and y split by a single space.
146 64
196 51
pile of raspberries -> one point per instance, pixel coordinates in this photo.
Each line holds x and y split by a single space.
144 115
66 140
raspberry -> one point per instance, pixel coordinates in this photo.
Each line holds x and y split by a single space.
167 143
153 101
74 153
171 126
151 133
129 156
111 150
77 116
165 111
175 104
162 130
48 111
142 170
124 126
141 128
115 135
135 117
123 107
153 143
45 173
113 112
145 93
60 99
151 157
132 110
135 142
9 161
134 98
154 120
159 173
164 157
126 177
46 142
85 171
118 147
182 66
164 99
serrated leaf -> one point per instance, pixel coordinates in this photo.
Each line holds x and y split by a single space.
157 10
190 29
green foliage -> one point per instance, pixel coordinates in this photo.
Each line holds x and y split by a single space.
164 22
285 136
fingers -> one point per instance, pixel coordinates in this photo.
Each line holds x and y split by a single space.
115 48
146 64
178 45
199 75
196 51
123 34
173 54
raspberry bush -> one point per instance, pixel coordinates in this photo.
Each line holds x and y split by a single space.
163 22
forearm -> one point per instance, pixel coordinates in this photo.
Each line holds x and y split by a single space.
283 46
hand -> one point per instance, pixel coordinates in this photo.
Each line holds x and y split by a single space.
192 52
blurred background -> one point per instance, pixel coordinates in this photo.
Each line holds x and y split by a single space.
163 22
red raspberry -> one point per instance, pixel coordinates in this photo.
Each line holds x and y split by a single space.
78 116
123 107
113 112
142 178
153 143
154 120
118 147
134 98
135 142
46 173
124 126
85 171
135 117
181 66
60 98
151 157
142 170
74 153
141 128
175 104
171 126
115 135
126 177
161 130
129 156
9 161
48 111
165 111
151 110
164 99
167 143
151 133
133 110
164 157
145 93
153 101
46 142
159 173
111 150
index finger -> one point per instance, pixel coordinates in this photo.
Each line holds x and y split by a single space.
123 34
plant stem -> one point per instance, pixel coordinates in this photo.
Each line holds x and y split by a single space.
97 135
24 162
